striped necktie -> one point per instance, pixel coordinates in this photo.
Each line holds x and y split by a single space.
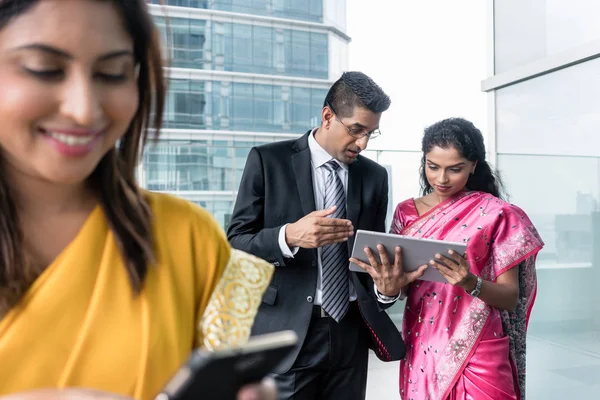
334 257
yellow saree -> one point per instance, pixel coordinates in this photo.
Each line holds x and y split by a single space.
80 324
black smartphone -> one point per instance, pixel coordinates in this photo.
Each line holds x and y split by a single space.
221 374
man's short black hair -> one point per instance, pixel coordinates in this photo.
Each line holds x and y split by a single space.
355 89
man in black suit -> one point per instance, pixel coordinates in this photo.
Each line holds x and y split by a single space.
298 205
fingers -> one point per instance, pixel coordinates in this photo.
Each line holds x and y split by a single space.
324 213
452 274
333 228
445 274
266 390
331 239
250 392
335 222
312 232
447 262
333 233
440 265
413 276
398 259
361 264
385 261
457 258
372 260
269 389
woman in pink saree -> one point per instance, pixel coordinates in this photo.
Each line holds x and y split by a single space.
465 339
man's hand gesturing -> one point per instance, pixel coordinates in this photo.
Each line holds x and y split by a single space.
317 230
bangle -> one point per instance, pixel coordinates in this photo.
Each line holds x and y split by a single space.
475 292
386 299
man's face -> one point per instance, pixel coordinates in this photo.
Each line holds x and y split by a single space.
344 138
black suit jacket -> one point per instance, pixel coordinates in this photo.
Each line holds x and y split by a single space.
277 189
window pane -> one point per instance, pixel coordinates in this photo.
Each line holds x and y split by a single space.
301 110
242 48
319 55
225 41
281 107
263 108
241 6
263 50
177 166
531 30
199 42
553 114
316 10
300 53
297 7
316 106
243 103
560 194
197 106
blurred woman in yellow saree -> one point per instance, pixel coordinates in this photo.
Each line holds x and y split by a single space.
102 285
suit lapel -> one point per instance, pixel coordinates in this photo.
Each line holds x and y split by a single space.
353 200
303 174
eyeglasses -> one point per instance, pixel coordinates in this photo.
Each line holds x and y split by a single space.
357 133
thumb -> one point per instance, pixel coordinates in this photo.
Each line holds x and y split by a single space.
325 212
413 276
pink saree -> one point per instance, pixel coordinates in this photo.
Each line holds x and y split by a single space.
458 347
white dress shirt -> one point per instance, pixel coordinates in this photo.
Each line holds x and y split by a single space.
318 157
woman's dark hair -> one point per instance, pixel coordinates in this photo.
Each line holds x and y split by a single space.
468 141
113 181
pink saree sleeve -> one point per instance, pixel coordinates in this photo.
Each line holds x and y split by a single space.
405 214
515 239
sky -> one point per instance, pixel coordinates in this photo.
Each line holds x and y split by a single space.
429 56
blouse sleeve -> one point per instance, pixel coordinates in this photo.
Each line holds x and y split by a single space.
398 221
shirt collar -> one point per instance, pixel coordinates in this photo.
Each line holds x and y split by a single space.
318 154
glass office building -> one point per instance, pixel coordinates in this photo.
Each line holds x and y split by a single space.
544 97
241 73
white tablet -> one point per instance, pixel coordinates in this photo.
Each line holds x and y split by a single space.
415 251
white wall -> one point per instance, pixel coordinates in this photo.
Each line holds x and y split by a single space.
429 56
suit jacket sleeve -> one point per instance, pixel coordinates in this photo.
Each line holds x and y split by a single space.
247 230
382 206
380 227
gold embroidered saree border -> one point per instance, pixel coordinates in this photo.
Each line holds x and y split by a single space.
231 310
